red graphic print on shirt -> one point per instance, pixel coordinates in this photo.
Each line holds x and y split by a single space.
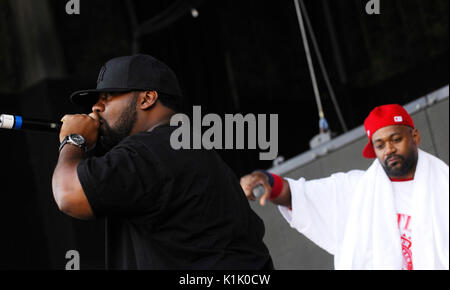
404 225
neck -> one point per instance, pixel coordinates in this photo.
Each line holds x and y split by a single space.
157 124
400 179
403 177
150 122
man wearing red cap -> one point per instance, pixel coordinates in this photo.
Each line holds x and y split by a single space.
394 215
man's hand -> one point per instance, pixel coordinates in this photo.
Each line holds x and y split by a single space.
84 125
250 181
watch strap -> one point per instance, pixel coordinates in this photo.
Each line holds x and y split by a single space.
66 141
63 143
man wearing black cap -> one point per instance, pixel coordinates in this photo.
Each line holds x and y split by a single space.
165 208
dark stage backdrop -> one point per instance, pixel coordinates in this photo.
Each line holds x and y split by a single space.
235 57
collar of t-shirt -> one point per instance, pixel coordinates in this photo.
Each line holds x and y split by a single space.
403 190
401 179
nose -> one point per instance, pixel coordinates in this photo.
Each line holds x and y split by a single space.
99 106
390 149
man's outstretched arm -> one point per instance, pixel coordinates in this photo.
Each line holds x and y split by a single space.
282 196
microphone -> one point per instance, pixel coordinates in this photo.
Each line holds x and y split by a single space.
13 122
259 191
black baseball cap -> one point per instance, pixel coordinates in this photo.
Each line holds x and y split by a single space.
131 73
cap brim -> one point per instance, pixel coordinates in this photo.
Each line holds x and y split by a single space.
368 151
87 98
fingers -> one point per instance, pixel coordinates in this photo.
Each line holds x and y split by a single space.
262 200
246 187
82 124
66 118
94 115
247 184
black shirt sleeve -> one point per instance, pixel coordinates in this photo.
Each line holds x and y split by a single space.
123 182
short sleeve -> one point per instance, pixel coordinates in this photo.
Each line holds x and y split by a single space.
123 182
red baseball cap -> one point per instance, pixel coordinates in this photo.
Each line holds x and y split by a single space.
381 117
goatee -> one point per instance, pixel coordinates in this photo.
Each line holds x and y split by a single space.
111 136
407 165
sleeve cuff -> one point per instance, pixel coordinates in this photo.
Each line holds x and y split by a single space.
277 186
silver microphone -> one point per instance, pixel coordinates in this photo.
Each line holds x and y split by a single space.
259 190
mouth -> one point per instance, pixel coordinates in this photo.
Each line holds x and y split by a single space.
392 161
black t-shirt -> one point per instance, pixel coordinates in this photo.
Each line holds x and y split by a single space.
172 209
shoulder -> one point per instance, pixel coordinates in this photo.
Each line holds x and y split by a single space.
355 173
434 159
439 167
342 180
350 176
349 179
157 133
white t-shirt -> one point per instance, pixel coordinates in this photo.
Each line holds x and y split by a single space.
403 194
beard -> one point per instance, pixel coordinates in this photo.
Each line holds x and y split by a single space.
110 136
402 167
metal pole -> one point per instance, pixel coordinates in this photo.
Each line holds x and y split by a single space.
323 69
309 59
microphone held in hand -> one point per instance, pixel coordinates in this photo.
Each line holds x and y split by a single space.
13 122
259 190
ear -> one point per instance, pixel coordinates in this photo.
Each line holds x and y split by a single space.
416 136
148 99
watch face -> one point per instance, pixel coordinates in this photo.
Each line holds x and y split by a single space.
77 139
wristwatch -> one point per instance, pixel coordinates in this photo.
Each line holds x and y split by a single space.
74 139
